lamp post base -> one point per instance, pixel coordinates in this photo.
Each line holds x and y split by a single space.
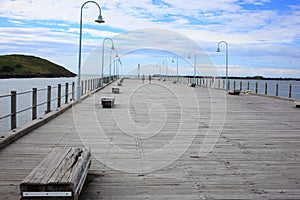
78 94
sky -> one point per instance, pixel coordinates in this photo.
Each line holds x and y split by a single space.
263 36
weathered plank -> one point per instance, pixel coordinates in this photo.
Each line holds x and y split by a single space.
257 155
62 172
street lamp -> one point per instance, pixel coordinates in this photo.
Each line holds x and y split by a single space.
218 50
98 20
110 78
165 62
177 66
117 66
159 65
112 47
189 57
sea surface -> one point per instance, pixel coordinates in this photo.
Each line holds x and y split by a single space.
26 85
23 85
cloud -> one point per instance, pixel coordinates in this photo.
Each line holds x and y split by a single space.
256 32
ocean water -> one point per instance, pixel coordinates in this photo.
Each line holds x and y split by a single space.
25 85
25 100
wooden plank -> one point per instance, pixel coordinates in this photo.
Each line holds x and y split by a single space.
63 170
257 155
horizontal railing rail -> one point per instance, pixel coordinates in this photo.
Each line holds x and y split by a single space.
53 97
290 91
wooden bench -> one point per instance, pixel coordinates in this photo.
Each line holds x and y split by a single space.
60 175
119 84
297 104
107 102
234 92
115 90
193 85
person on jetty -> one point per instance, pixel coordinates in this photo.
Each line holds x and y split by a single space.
149 79
143 78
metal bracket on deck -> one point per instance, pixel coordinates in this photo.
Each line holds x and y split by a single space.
47 194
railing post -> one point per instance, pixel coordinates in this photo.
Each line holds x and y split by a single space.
82 87
234 85
34 103
67 93
48 99
256 87
277 88
241 85
223 84
248 85
228 86
73 91
290 91
13 108
266 88
58 95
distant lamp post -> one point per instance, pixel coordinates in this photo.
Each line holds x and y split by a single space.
112 47
117 66
110 78
218 50
177 67
159 66
98 20
195 64
165 62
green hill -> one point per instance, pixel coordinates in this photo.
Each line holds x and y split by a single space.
23 66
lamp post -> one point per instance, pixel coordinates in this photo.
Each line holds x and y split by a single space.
159 66
165 62
110 78
112 47
117 66
218 50
98 20
177 66
189 57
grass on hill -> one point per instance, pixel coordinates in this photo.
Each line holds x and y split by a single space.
30 66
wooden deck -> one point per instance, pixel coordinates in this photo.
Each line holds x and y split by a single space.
171 141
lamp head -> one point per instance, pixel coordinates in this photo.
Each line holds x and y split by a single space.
112 47
99 19
218 49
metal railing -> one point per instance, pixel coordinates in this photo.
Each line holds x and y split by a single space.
265 87
51 98
59 97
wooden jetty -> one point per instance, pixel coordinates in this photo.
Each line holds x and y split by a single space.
171 141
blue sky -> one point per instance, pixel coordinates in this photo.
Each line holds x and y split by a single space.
263 35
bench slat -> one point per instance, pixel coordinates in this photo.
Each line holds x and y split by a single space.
63 170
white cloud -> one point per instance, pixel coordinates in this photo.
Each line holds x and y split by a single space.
56 25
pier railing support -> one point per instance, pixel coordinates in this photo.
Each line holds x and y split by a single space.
13 108
290 91
34 103
73 91
256 87
48 99
67 93
59 95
